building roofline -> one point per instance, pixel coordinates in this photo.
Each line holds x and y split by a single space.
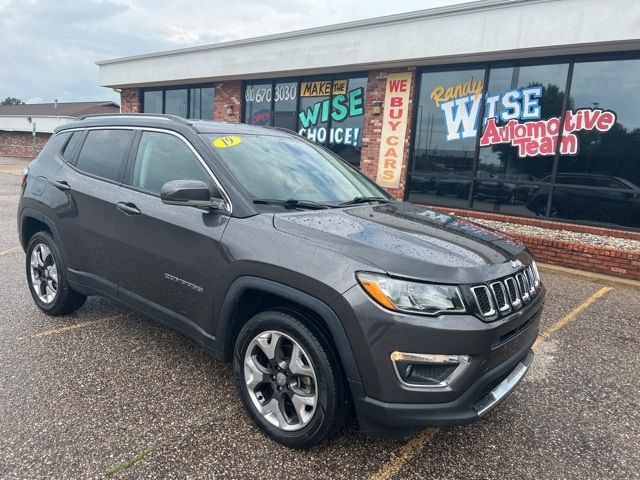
35 115
448 10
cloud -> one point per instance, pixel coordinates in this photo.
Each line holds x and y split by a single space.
48 48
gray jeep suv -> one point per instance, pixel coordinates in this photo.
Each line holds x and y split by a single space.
271 252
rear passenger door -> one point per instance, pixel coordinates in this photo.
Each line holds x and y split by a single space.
90 181
169 255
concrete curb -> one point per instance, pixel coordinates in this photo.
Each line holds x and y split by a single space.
595 277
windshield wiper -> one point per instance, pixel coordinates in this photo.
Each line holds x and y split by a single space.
292 202
364 200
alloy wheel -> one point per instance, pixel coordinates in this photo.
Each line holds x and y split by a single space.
281 380
44 273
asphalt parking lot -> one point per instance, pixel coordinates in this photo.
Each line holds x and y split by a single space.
107 393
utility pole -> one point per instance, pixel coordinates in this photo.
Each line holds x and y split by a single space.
33 134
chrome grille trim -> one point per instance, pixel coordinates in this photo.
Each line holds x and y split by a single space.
529 274
498 286
514 294
484 311
536 274
509 293
522 281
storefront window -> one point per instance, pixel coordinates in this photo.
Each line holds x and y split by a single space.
201 103
175 102
522 96
345 137
285 99
445 137
194 102
329 111
519 99
152 101
314 110
604 119
524 137
257 104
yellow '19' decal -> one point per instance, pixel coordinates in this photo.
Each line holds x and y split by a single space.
228 141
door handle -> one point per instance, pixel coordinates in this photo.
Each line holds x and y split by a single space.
128 208
62 185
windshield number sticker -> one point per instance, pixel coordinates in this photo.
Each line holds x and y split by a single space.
228 141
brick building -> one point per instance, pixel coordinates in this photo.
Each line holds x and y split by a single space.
525 109
24 129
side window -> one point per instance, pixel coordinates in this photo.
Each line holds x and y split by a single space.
104 151
610 183
161 158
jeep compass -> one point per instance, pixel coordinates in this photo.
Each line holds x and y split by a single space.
328 296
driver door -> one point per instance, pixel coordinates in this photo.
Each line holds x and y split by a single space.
169 255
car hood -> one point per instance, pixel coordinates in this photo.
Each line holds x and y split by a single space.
410 241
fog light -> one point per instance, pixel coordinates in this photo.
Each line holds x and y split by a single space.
427 370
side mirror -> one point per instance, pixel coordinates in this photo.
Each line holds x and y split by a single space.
190 193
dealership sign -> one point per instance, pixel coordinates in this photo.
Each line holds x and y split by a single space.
339 108
394 129
518 123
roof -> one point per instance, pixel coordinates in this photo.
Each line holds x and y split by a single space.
63 109
484 30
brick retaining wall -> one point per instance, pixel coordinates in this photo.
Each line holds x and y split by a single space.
20 144
618 263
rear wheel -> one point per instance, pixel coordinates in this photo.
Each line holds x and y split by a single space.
289 379
47 278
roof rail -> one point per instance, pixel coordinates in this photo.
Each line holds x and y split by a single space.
165 116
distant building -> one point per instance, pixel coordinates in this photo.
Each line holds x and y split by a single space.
18 122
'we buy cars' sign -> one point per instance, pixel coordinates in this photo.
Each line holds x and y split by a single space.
394 129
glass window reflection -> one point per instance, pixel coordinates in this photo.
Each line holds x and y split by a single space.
614 155
526 94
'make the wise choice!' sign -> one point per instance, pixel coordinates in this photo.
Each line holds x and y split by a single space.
394 129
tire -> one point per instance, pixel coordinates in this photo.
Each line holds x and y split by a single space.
322 377
45 267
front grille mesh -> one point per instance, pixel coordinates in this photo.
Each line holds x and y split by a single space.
507 294
500 294
483 300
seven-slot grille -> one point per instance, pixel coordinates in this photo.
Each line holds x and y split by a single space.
507 294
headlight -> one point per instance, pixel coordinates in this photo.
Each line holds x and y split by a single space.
412 297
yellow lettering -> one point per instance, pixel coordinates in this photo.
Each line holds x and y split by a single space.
442 94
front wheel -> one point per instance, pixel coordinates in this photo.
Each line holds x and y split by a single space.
47 278
290 379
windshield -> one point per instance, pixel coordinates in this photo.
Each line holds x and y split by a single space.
288 168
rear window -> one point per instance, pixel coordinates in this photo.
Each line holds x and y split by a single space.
104 151
69 148
55 143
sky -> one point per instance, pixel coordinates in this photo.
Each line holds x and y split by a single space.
48 48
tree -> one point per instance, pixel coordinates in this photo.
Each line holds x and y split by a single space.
12 101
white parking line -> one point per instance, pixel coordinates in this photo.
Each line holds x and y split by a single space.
10 250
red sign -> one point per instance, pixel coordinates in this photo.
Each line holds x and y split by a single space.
540 137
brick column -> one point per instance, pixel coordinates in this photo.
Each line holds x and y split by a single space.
372 125
130 101
228 93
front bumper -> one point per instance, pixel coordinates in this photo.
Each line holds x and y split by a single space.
499 355
379 417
